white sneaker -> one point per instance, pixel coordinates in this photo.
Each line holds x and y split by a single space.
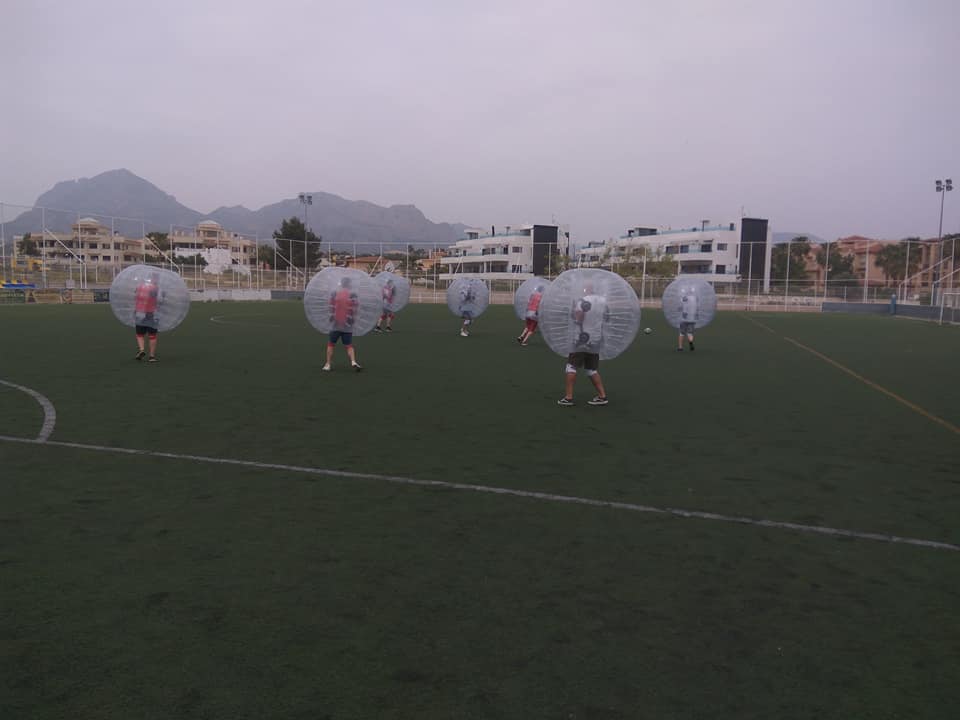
326 368
464 333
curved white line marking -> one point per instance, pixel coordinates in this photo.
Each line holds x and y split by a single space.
530 494
49 412
219 320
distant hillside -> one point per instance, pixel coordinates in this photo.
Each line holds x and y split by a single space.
121 193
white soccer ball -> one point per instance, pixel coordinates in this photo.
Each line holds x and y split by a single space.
647 331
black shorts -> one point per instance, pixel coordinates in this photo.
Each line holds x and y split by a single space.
345 337
145 330
585 360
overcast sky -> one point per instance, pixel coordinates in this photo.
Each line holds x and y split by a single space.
827 116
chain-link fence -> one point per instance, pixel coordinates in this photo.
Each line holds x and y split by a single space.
66 250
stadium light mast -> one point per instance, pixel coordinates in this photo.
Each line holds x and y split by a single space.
942 187
306 200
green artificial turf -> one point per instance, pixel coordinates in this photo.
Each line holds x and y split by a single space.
137 586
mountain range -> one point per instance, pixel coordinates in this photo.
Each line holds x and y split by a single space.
142 205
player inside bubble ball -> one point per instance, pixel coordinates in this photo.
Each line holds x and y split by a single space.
388 293
467 307
343 306
589 314
688 319
532 315
147 299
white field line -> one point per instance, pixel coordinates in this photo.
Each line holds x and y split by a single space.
49 412
549 497
219 320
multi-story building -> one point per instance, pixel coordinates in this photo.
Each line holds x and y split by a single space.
90 241
220 248
515 253
716 253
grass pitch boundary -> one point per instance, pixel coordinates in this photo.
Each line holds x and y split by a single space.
488 489
866 381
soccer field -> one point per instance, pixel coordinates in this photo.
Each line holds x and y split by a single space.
765 528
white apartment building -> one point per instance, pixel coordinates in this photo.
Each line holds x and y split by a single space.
715 253
514 253
221 248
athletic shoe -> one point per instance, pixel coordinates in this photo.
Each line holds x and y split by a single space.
520 340
691 347
464 333
358 367
598 401
524 343
140 355
326 368
377 329
679 349
152 358
389 329
565 402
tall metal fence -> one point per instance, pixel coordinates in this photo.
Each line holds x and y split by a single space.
801 277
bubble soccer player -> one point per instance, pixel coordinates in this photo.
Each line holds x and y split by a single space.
388 292
149 300
531 312
587 315
466 307
146 300
689 304
688 322
344 304
394 294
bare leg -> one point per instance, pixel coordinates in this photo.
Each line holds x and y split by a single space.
598 384
140 343
329 354
351 353
153 346
680 341
571 379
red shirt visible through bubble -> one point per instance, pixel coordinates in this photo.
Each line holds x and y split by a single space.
146 298
344 304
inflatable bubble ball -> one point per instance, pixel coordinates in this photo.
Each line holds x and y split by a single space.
394 291
468 297
589 310
689 301
527 299
343 299
151 297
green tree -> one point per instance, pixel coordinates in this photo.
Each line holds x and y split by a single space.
290 241
28 246
160 239
840 267
266 255
799 249
892 259
197 259
560 262
659 263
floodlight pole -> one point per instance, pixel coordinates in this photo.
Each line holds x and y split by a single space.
306 200
942 187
